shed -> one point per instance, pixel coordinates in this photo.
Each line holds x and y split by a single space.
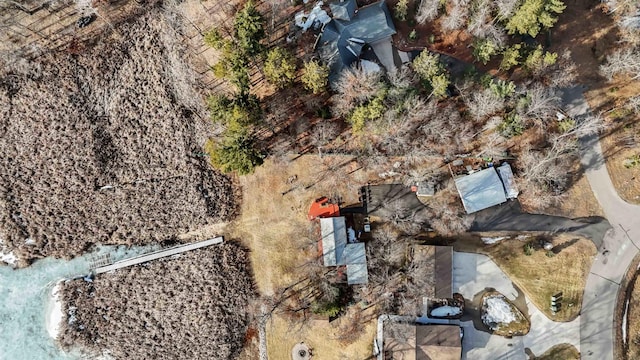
509 182
334 240
354 256
481 190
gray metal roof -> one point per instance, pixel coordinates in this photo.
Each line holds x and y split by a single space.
481 190
357 274
509 182
334 240
367 25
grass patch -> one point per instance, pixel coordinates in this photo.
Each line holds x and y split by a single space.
541 276
321 336
560 352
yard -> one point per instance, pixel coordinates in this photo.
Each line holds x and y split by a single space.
541 274
560 352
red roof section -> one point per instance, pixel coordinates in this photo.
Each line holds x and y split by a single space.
322 208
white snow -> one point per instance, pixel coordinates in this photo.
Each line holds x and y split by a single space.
443 311
9 258
54 312
317 14
493 240
625 318
498 311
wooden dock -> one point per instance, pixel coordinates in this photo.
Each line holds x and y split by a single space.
157 255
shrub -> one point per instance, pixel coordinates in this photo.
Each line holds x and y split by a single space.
363 113
280 67
214 39
528 249
538 59
502 88
325 308
413 35
315 76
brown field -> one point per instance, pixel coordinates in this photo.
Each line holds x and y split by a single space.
191 307
538 275
322 336
560 352
84 157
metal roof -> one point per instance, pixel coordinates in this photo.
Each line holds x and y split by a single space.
367 24
334 240
481 190
506 175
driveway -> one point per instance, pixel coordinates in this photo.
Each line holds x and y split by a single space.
603 283
472 274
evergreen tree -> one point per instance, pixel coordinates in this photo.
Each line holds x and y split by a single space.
534 15
248 27
315 76
280 67
236 152
431 71
510 57
401 10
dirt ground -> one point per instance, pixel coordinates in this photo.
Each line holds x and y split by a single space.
540 276
590 34
578 201
560 352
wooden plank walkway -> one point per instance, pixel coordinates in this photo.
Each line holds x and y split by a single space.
158 254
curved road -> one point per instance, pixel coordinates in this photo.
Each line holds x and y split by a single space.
619 247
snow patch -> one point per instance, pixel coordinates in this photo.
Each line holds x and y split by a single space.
444 311
54 312
498 311
493 240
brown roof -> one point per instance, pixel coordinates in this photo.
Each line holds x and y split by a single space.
438 267
422 342
443 271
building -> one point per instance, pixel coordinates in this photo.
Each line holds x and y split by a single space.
338 251
435 263
486 188
350 30
422 342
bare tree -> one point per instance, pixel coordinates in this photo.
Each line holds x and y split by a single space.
483 103
354 87
622 62
541 106
634 103
456 18
427 10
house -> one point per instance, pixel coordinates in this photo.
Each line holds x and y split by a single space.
422 342
486 188
338 251
350 30
435 263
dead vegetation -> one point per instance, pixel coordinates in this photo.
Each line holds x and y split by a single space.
105 146
195 306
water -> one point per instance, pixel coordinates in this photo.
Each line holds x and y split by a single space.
24 298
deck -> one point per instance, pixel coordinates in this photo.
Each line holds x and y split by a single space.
157 255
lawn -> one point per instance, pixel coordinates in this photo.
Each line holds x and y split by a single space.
323 337
633 325
540 276
560 352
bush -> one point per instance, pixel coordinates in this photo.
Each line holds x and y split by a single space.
401 10
511 126
528 249
214 39
280 67
325 308
537 60
413 35
363 113
315 76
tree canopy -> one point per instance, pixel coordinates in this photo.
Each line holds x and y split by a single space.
533 16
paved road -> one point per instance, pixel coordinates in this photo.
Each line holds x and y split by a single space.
621 244
472 274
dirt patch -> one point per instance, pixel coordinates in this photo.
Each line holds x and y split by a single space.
560 352
189 307
543 273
